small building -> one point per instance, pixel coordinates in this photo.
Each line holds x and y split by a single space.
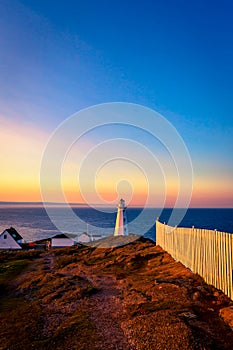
96 237
61 241
10 239
86 237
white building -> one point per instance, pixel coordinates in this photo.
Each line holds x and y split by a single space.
86 237
121 226
10 239
61 241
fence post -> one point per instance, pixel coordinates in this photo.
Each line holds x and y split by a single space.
164 238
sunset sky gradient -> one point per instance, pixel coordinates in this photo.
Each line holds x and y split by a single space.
174 57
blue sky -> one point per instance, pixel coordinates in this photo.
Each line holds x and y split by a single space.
172 56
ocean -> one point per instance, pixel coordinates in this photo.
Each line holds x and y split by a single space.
33 222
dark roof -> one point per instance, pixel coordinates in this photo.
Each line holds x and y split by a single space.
61 235
84 233
44 240
14 234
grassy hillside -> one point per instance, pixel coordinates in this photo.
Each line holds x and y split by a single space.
129 297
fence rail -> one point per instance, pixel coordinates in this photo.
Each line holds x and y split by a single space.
206 252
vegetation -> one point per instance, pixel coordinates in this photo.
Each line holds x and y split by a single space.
131 297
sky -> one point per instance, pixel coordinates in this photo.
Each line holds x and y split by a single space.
60 57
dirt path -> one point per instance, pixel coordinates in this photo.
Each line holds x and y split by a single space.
48 261
106 311
103 307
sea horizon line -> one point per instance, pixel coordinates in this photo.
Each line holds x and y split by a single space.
89 205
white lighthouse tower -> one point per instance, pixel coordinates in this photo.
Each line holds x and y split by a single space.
121 227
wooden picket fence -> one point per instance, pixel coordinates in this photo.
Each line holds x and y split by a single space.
206 252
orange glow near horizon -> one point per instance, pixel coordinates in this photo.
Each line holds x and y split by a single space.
21 153
20 192
26 189
21 150
212 194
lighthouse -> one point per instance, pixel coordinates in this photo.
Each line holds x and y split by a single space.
121 228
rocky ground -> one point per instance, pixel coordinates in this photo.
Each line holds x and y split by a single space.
134 297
